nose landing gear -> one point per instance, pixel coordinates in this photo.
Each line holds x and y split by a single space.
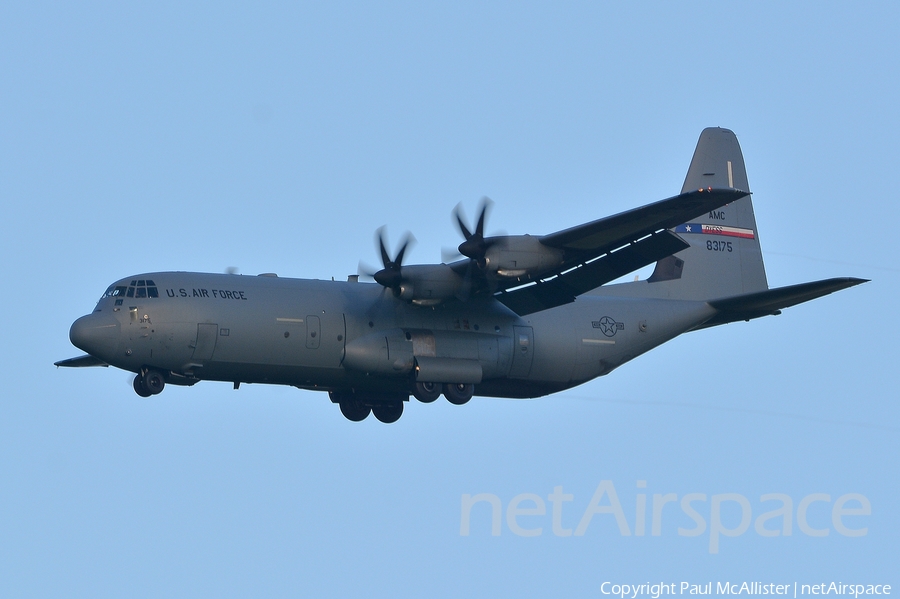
139 387
149 382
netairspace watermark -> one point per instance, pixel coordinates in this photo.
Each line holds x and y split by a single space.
657 590
715 515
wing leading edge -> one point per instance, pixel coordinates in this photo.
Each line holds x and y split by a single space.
608 233
606 249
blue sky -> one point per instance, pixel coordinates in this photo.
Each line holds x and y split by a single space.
277 138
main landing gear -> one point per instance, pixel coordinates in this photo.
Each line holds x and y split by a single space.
456 393
427 392
149 382
354 410
357 407
388 407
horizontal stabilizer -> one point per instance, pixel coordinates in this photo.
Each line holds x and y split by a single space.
772 301
563 289
81 362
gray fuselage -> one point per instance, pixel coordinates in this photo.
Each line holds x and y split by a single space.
337 336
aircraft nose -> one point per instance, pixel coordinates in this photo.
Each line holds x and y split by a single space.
95 333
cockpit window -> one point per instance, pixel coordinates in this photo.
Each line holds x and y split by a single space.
141 288
115 291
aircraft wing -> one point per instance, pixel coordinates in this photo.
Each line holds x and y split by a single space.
614 231
606 249
564 288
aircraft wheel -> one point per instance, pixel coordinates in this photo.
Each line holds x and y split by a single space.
388 412
458 393
154 382
427 392
354 411
139 387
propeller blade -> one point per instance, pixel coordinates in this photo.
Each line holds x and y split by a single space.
390 276
365 270
475 246
449 255
380 236
457 212
408 241
486 204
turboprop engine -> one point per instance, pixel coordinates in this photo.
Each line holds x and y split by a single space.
482 261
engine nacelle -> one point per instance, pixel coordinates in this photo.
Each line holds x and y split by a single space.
521 256
429 284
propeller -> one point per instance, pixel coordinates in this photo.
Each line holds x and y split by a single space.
475 246
449 255
389 276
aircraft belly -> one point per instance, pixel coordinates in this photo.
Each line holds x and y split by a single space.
279 374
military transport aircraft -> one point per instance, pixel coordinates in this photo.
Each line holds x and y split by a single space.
516 316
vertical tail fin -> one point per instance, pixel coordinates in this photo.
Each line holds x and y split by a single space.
724 258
